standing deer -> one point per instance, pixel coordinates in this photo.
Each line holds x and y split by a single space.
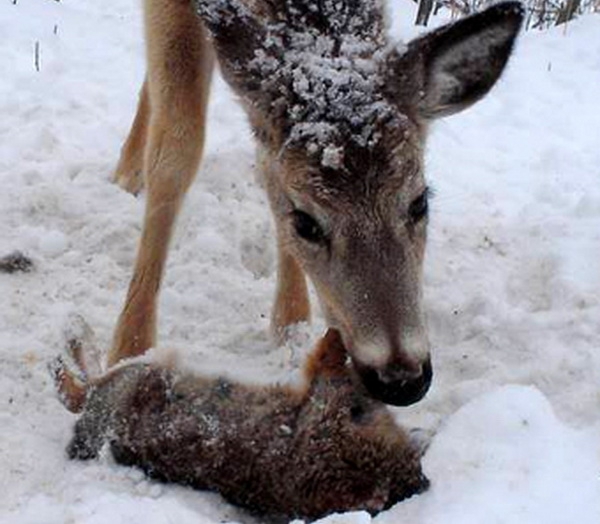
279 452
340 116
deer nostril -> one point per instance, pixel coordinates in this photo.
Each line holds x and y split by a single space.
400 372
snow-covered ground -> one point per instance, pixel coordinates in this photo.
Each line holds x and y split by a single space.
512 276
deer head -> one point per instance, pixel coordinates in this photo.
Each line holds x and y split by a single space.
341 116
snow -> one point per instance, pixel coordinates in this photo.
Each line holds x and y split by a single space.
519 464
512 281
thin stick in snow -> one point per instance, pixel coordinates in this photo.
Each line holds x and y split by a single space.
37 56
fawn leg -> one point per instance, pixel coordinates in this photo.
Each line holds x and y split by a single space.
180 63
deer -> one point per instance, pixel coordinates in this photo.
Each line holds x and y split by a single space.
278 452
340 114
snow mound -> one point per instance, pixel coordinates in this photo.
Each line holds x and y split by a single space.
505 457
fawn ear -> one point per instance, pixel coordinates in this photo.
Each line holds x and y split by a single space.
329 357
454 66
242 43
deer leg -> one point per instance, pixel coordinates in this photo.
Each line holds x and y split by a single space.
129 172
291 298
179 69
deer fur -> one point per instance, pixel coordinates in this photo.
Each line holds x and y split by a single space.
281 453
340 115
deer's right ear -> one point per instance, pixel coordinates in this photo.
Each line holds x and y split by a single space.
243 46
453 67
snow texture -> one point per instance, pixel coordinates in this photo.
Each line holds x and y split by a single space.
511 281
325 63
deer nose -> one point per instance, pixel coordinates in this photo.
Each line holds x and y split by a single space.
397 384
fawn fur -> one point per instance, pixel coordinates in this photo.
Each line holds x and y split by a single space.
279 452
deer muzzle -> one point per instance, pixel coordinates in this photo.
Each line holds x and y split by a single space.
393 359
394 384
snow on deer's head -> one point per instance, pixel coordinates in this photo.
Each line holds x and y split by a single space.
341 116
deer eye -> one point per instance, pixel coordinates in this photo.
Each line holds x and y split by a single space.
307 227
419 207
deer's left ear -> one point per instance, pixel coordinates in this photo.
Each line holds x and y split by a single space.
239 36
453 67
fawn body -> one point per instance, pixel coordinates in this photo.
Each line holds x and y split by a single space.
279 452
340 117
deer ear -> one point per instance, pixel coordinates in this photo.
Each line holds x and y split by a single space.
239 37
456 65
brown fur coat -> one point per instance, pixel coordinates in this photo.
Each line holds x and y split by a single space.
278 452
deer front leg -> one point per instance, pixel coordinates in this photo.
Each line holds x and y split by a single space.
174 150
129 172
291 299
136 327
179 69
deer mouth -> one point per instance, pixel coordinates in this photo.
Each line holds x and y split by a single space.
403 391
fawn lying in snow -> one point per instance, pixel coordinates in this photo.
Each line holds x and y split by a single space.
279 452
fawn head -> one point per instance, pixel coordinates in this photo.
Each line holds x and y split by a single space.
371 462
337 393
341 116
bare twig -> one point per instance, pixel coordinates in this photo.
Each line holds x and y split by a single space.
541 14
37 56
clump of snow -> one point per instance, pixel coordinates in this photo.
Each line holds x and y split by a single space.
333 157
336 81
53 243
511 280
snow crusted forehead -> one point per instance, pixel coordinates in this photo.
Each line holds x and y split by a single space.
322 64
332 68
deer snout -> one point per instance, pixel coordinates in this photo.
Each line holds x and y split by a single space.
396 371
396 383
